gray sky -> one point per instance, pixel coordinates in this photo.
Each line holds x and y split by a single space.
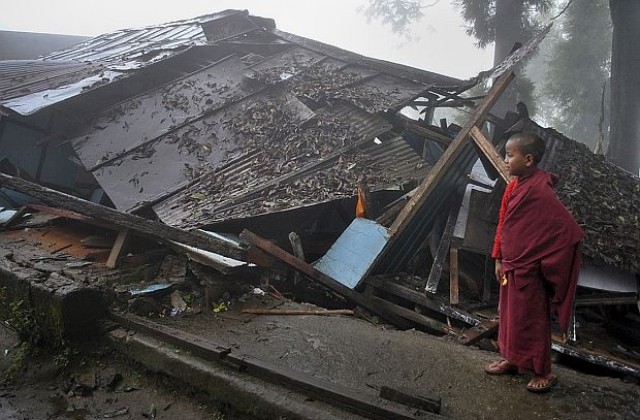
442 46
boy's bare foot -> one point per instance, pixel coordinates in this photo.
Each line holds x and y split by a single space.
542 383
500 367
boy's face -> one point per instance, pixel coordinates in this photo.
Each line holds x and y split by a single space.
517 163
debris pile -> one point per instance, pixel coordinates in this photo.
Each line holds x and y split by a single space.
603 198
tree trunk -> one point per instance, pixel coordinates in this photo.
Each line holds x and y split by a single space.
624 144
508 31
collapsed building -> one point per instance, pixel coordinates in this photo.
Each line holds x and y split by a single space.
197 139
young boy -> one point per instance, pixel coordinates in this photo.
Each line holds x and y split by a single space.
537 256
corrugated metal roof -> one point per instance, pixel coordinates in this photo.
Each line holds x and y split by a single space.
281 122
23 77
97 61
164 111
289 177
131 49
418 227
157 168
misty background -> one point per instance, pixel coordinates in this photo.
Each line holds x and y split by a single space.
563 85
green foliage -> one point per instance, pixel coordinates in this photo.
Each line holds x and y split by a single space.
23 322
481 16
397 13
21 319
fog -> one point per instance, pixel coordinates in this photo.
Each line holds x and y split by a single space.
439 42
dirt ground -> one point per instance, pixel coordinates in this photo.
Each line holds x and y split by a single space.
97 383
361 355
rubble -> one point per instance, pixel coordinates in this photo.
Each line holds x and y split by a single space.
266 137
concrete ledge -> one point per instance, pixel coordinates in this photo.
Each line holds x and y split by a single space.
61 307
245 393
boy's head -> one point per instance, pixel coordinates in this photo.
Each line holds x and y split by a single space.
524 152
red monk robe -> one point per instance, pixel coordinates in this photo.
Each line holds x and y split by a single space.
539 244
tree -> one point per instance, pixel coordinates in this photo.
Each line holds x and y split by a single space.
503 22
572 71
624 143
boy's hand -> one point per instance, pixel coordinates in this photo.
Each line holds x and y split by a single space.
499 272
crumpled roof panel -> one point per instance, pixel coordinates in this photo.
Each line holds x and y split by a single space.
144 118
323 162
23 77
282 121
157 168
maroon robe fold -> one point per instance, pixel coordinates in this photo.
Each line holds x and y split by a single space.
539 246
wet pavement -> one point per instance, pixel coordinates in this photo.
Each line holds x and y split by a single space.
363 356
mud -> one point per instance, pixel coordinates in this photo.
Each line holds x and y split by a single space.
97 383
364 356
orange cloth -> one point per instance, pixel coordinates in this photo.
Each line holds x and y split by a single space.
361 205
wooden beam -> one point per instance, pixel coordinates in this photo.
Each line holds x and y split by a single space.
118 247
275 311
453 276
357 401
434 327
393 210
448 157
490 152
135 223
318 276
419 129
440 258
478 332
298 251
431 303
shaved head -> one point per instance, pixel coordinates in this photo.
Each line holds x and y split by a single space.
529 144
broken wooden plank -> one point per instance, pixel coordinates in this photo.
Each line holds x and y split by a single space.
429 302
196 345
359 402
450 154
453 276
263 311
607 299
490 152
597 358
426 132
440 258
15 217
478 332
118 248
316 275
123 220
409 397
298 251
434 327
393 210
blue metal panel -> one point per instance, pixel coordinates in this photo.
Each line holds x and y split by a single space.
352 254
